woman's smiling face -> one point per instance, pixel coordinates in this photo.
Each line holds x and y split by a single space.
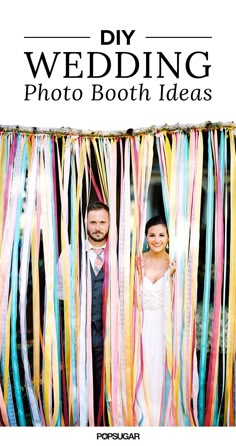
157 238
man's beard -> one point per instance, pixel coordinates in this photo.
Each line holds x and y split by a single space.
98 239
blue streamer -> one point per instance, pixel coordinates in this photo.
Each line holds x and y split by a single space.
222 160
207 284
223 169
10 404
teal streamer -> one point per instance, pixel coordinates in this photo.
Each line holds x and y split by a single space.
215 418
72 288
10 406
14 288
165 399
9 137
207 285
10 403
222 151
223 172
185 174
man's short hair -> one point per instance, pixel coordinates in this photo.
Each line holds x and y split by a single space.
96 206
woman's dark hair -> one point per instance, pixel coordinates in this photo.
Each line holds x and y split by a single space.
157 220
96 206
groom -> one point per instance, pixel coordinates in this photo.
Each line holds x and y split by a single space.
97 230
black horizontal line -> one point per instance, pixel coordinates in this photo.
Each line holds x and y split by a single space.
56 37
179 37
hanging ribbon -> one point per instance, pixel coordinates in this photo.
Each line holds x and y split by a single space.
46 183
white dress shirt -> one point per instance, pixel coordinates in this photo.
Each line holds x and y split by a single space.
92 254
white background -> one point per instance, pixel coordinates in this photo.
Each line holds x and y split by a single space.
87 18
147 17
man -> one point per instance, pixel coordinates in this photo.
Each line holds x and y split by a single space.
97 230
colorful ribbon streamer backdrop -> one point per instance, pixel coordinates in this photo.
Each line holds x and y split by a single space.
46 183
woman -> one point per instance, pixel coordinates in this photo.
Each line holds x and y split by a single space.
156 277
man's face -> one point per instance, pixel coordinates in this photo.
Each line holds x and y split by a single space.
98 226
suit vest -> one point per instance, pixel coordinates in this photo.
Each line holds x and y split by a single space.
96 316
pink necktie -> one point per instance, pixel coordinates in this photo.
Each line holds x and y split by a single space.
98 261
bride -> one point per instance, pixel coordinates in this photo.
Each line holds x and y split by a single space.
156 276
